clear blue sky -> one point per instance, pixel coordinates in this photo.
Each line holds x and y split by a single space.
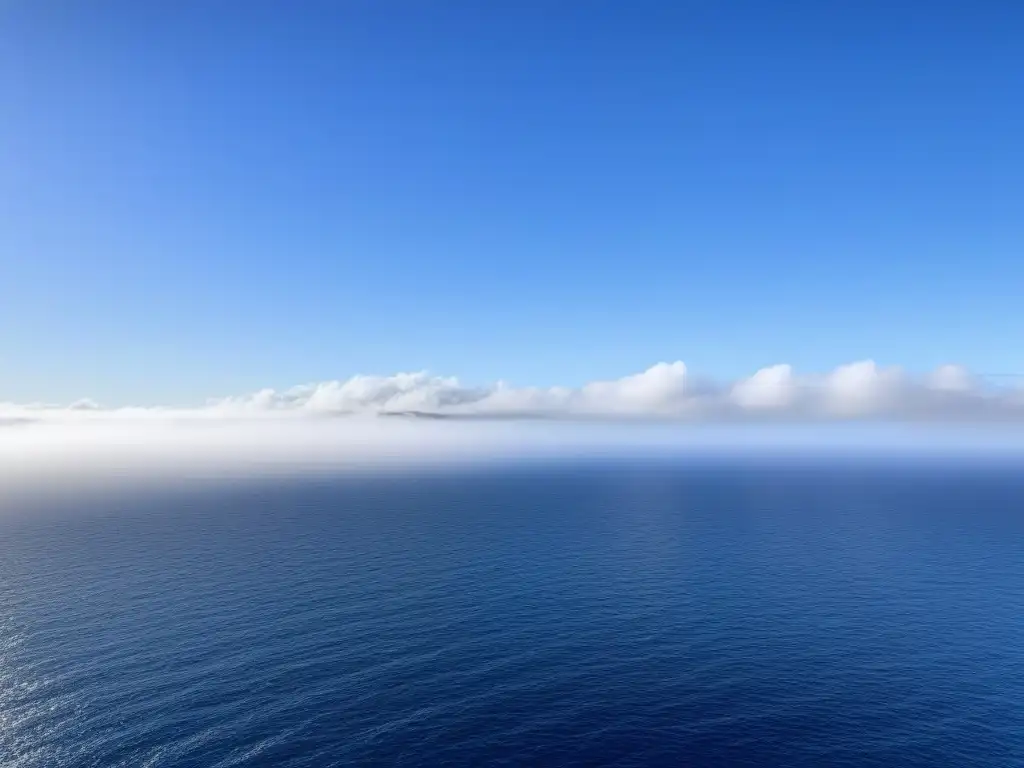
202 198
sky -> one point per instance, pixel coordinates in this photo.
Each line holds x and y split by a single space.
203 199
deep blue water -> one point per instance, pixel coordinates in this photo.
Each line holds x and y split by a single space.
622 614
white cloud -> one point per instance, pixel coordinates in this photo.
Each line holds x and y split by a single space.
669 391
773 388
863 388
952 378
662 389
369 421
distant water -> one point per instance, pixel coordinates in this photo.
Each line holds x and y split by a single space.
606 614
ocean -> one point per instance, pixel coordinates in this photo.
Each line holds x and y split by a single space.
588 613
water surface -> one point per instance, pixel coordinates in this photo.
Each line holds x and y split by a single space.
594 614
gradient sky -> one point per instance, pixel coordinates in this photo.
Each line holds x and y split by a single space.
203 198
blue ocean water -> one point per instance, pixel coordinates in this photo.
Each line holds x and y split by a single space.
591 614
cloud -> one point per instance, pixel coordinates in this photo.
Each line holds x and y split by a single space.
425 420
667 391
773 388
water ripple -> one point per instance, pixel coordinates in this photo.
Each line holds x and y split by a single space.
620 617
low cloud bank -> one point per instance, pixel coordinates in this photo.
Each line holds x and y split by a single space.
666 391
370 422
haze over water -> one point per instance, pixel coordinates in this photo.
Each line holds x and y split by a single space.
599 612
